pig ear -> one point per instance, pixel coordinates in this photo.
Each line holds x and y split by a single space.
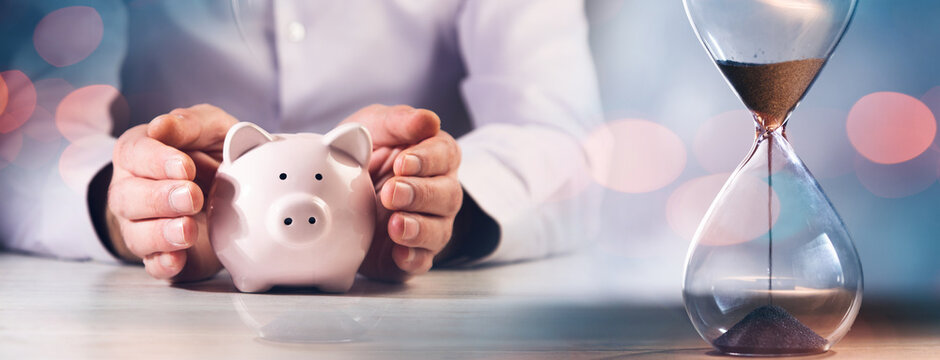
352 139
241 138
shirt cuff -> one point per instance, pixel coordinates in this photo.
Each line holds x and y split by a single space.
65 229
499 192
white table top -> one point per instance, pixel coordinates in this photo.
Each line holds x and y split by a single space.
583 306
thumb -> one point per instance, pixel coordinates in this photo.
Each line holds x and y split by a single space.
201 127
393 126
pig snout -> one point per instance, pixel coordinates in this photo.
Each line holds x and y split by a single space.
298 218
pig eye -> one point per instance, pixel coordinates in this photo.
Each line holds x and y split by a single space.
312 220
288 221
319 177
283 176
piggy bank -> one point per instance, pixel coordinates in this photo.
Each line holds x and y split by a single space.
292 209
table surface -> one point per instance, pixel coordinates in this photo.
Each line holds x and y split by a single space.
567 307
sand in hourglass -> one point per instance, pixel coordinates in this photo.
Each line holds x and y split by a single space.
770 330
771 91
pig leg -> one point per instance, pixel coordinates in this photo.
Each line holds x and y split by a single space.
338 284
250 285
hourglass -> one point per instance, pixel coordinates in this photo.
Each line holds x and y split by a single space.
771 269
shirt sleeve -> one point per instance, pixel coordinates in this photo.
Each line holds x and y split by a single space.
45 209
532 94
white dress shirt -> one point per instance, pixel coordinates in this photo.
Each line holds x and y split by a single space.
512 80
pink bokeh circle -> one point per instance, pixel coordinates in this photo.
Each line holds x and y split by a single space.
898 180
4 95
890 127
51 91
68 35
10 146
635 156
90 110
74 161
932 99
41 126
21 103
687 205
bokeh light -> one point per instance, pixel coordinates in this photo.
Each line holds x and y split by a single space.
68 35
91 110
41 126
42 142
890 127
50 91
689 202
4 95
819 139
635 156
10 145
21 103
932 99
898 180
722 142
687 205
74 163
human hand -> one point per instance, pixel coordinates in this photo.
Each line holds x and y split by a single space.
414 169
162 171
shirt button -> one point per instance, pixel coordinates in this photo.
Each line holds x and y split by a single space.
296 31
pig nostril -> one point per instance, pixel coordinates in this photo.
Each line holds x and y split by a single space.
311 220
288 221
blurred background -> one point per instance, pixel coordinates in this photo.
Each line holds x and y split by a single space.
664 101
657 82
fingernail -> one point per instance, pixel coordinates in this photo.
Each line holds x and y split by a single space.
166 260
402 195
174 169
409 228
410 165
411 255
181 200
174 233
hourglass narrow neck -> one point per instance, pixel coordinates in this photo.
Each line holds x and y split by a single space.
765 128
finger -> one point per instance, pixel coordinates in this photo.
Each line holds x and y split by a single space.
413 261
201 261
201 127
439 195
420 231
382 161
146 237
207 165
397 125
136 198
165 265
438 155
149 158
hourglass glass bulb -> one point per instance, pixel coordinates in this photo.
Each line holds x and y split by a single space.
771 269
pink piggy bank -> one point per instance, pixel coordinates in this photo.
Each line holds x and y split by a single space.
293 209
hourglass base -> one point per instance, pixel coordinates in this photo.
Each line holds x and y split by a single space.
771 355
